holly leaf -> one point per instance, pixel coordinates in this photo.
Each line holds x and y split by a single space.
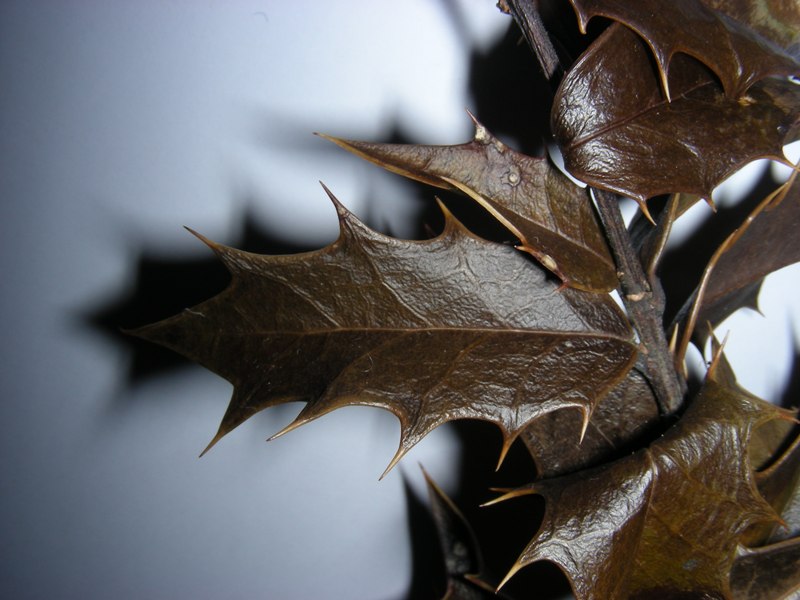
623 417
768 573
776 20
737 54
618 133
772 569
780 485
723 306
455 327
774 455
749 253
767 243
552 217
666 521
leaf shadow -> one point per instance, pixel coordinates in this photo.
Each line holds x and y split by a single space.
502 530
790 397
165 285
427 568
512 100
509 93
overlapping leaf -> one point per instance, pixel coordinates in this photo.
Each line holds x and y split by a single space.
450 328
768 568
776 20
768 573
738 55
767 244
774 455
622 417
618 133
666 521
552 217
773 570
462 556
780 485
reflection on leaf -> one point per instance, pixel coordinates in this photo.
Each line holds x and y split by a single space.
737 54
618 133
666 520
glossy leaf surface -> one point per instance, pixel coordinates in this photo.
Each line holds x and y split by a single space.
618 133
552 217
450 328
737 54
666 521
774 455
776 20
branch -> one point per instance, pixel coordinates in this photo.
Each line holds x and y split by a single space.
645 306
526 14
644 303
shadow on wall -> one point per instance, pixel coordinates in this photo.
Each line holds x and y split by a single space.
164 285
510 98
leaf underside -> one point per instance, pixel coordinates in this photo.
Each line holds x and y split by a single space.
551 216
450 328
667 520
618 133
768 244
625 415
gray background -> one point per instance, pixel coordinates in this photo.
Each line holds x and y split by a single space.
120 122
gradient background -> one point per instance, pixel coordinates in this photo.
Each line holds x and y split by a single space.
120 122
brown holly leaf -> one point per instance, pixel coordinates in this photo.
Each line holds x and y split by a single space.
617 132
738 55
551 216
776 20
768 443
772 571
780 485
768 573
626 413
724 306
767 243
773 456
763 243
666 521
455 327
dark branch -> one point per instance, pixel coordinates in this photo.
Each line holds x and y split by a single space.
645 306
526 14
644 303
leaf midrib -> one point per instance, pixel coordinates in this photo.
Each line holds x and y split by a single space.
493 330
624 121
